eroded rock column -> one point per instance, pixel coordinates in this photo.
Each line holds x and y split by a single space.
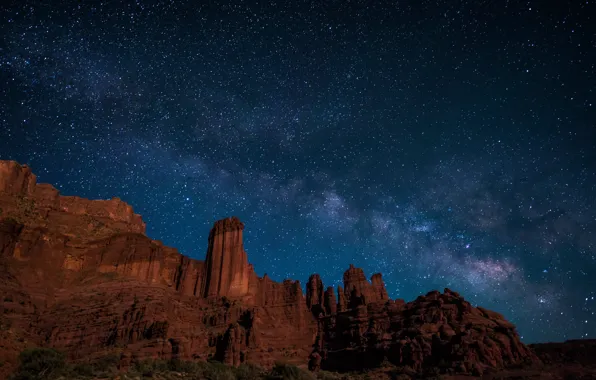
227 271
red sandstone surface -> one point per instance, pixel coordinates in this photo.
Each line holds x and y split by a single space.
82 277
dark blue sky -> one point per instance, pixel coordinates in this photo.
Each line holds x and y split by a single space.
443 143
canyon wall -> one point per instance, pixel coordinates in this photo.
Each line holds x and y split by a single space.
81 276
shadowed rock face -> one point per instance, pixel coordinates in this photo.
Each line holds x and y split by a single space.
81 276
358 291
438 330
314 295
580 352
329 301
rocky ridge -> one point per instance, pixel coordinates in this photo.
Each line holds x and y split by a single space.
81 276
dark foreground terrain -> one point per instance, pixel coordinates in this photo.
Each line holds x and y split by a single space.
81 280
569 360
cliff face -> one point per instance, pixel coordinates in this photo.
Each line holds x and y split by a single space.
41 205
436 332
16 179
227 270
81 276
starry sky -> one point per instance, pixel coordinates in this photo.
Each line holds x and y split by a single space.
445 143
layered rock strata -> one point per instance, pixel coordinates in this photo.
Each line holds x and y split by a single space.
81 276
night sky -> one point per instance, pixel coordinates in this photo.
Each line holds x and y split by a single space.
443 143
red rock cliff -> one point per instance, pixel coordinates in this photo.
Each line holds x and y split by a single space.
16 179
358 291
227 272
81 276
314 294
42 205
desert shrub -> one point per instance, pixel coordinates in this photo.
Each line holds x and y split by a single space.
326 375
79 370
283 371
39 363
249 372
49 364
104 366
150 367
182 366
213 370
108 361
198 370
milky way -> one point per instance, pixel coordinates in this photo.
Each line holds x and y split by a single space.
442 143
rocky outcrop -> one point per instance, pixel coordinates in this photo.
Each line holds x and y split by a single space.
81 276
379 292
358 291
16 179
438 332
239 338
315 295
41 205
330 302
227 271
342 303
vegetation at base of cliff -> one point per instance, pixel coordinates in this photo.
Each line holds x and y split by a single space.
39 363
49 364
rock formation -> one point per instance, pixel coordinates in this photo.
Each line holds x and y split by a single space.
330 302
379 293
81 276
227 271
358 291
314 295
438 331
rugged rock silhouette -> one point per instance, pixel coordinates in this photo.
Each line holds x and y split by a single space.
81 276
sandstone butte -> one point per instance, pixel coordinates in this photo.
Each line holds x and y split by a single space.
81 276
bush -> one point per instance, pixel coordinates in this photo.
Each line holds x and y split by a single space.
198 370
80 370
283 371
105 365
182 366
39 363
217 371
249 372
326 375
49 364
150 367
